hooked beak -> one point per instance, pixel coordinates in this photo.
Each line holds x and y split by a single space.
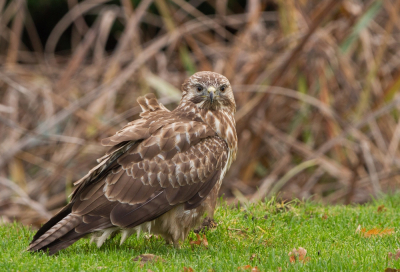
211 90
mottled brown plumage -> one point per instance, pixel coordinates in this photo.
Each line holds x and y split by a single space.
161 174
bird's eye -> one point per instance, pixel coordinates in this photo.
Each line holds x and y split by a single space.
199 88
222 88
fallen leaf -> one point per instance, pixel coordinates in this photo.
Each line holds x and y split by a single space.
298 254
379 232
144 258
196 242
187 269
381 208
371 232
325 216
302 253
374 231
200 241
392 270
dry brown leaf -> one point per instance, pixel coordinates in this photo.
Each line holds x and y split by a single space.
196 242
187 269
325 216
200 241
379 232
374 231
299 254
371 232
392 270
144 258
381 208
302 253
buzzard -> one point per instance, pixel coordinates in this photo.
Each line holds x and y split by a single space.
161 174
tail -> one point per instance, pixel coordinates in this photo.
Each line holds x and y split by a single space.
58 233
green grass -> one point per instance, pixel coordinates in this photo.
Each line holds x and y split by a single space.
269 230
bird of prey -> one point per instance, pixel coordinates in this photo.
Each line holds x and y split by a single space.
161 174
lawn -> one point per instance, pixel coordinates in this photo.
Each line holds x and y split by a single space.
259 235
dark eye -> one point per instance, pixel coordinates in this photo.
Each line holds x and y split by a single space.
199 88
222 88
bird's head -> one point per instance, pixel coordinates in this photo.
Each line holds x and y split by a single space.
209 91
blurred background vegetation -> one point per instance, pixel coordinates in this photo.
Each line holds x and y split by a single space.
316 85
